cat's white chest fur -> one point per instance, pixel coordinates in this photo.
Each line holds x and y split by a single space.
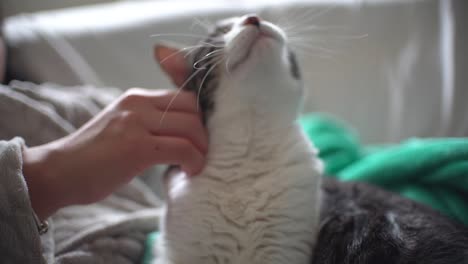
262 208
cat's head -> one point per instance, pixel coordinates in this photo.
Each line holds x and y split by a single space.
244 63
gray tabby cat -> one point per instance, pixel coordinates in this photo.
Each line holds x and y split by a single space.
258 199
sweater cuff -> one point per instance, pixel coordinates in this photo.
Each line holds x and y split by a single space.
21 241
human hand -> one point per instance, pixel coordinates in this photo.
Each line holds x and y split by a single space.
127 137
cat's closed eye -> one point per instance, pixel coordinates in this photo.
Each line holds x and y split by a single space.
224 29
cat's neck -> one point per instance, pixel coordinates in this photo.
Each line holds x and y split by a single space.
254 143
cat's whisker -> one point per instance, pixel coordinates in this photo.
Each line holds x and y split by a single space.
321 49
329 36
326 33
192 51
294 27
176 94
288 17
303 39
318 28
214 52
315 47
206 59
191 48
202 67
206 44
308 16
313 54
349 37
211 44
178 35
318 14
300 30
311 42
203 81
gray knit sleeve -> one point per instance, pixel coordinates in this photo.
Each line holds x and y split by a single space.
19 238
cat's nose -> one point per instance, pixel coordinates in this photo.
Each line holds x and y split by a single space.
253 20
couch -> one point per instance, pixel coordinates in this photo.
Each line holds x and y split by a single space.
391 69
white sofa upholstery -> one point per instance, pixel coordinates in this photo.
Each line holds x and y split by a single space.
397 82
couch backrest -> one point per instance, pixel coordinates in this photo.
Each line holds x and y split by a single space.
387 68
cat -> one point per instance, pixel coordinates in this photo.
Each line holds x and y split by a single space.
257 200
363 224
262 197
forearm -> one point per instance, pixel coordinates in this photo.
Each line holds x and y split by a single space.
43 187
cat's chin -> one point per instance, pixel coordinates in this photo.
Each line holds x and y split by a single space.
266 47
263 49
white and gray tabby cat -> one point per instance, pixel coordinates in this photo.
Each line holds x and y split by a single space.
258 198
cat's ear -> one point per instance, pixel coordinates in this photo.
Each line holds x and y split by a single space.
173 62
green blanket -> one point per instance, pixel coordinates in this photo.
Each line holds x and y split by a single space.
431 171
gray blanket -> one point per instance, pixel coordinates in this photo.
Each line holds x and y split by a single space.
111 231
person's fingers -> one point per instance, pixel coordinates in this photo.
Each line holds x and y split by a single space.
178 124
177 101
164 100
177 151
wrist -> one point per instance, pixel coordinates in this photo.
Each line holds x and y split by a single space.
41 180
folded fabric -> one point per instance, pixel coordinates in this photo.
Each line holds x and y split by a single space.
431 171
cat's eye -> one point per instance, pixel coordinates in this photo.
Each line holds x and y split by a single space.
224 29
